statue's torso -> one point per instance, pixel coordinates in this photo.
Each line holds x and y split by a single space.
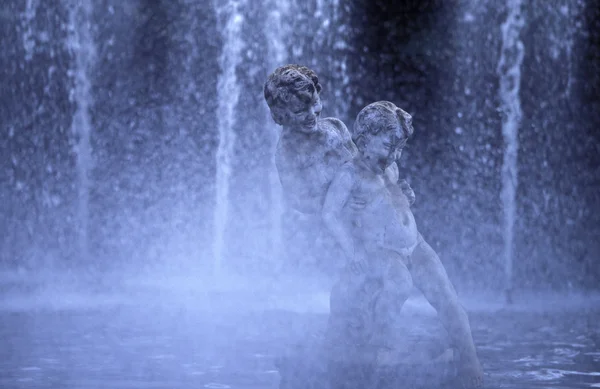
378 220
307 163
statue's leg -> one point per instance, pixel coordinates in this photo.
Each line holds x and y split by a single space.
300 233
396 287
352 375
431 278
351 361
351 306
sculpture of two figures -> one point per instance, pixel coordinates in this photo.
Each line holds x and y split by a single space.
350 182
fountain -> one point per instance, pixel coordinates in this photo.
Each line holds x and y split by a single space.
509 71
81 45
28 17
230 19
275 32
565 23
123 64
331 35
339 33
267 35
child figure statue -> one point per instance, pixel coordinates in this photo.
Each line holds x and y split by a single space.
310 153
310 149
373 224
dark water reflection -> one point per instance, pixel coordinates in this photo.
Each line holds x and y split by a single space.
151 341
559 348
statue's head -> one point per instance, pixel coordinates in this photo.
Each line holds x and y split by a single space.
380 132
292 93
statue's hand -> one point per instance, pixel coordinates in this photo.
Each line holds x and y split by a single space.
359 262
407 190
470 375
392 173
357 203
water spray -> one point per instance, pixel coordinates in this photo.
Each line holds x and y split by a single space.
509 72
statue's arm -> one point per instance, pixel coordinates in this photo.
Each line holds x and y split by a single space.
294 198
397 186
335 199
407 191
288 178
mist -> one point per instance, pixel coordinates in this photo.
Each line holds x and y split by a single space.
146 240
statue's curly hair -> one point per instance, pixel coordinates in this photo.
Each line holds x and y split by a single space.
379 115
286 81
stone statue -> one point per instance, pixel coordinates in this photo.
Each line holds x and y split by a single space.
310 153
376 229
310 149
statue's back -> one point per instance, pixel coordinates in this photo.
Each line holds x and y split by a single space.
307 162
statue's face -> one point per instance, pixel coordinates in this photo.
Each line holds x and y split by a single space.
303 111
383 149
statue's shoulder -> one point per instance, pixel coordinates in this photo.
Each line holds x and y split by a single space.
339 136
348 170
336 127
337 123
336 132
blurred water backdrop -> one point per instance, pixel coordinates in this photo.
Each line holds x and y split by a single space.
134 133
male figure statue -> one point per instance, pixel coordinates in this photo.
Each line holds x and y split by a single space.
378 234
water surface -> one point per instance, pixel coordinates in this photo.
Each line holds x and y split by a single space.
157 337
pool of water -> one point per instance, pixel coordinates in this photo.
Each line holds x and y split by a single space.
153 338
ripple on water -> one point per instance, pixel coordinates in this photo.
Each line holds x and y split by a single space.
194 369
51 361
546 374
490 348
162 356
595 355
569 344
566 352
528 361
31 368
552 374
